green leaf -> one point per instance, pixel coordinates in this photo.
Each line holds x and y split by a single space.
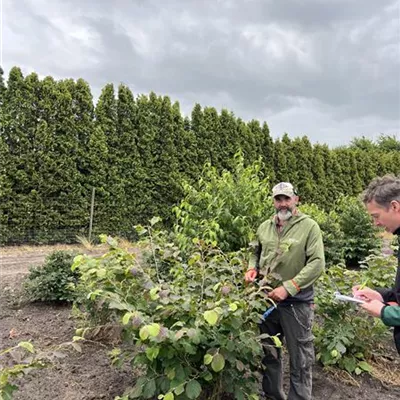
207 376
126 318
218 362
27 346
101 273
340 348
154 329
144 332
153 293
193 389
152 353
208 359
365 366
169 396
239 395
239 365
277 341
149 389
211 317
154 220
233 306
216 286
170 373
179 389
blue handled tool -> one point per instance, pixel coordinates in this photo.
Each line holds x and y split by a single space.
269 311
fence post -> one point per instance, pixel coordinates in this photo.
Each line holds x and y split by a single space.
91 215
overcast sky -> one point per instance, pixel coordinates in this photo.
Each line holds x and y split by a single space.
329 69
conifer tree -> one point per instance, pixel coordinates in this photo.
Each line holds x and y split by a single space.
247 142
210 142
320 182
268 152
280 163
185 144
129 167
19 117
302 150
291 160
199 129
167 189
229 142
257 134
112 196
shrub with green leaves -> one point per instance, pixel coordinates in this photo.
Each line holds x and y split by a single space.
360 235
193 335
331 233
379 270
52 281
225 208
24 359
345 336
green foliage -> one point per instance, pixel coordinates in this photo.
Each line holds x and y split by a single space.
24 359
52 281
224 208
331 232
345 337
56 145
192 332
378 270
360 235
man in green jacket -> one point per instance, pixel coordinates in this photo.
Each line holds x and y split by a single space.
382 200
289 249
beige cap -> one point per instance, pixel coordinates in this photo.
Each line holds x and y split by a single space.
283 188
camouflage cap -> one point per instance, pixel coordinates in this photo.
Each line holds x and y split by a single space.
285 189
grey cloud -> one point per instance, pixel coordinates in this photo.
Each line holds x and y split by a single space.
259 58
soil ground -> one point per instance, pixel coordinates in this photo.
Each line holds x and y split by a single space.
88 375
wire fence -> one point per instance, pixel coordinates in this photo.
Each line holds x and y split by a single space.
35 226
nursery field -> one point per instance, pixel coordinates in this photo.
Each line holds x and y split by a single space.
88 374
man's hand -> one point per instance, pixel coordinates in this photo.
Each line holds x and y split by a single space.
367 294
251 275
373 307
278 294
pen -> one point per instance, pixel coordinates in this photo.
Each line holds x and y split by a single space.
362 286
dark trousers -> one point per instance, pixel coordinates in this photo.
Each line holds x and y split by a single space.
292 322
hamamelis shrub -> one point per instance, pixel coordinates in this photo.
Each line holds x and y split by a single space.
346 337
192 332
224 207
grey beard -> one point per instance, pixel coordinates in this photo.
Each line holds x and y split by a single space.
284 215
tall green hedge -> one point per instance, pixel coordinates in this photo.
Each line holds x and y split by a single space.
56 145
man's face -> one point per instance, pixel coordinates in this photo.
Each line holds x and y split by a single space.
389 218
284 206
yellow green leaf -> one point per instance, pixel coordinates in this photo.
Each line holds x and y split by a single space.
211 317
126 318
233 306
169 396
154 329
144 332
27 346
207 359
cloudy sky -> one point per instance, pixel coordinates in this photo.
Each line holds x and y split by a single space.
329 69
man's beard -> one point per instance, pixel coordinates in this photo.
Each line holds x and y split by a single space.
284 215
